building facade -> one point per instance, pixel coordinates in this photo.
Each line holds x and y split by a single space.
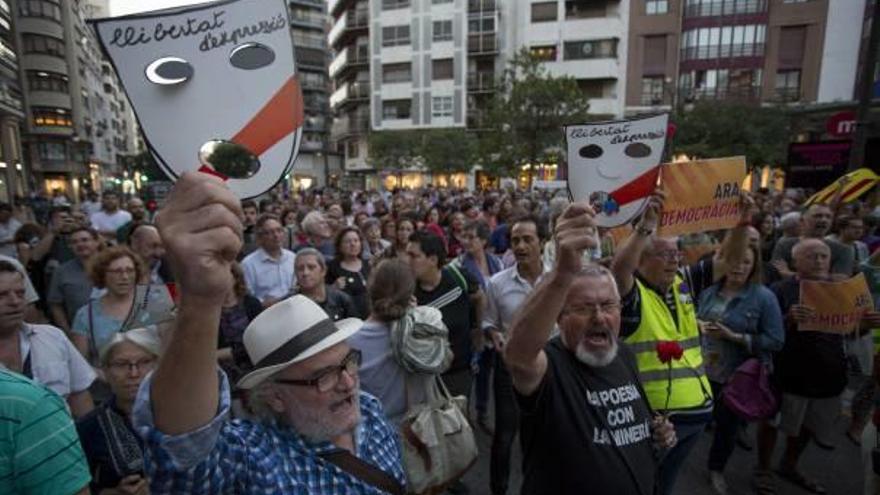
13 172
773 51
420 64
317 162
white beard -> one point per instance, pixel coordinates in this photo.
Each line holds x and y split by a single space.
595 359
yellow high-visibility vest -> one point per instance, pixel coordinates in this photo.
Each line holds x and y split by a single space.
690 387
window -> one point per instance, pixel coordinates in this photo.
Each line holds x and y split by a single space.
442 31
584 9
485 24
395 73
49 9
47 81
729 41
46 45
54 117
546 53
575 50
396 109
442 69
592 88
352 148
654 7
544 11
51 151
441 106
395 35
437 2
394 4
712 8
653 90
788 85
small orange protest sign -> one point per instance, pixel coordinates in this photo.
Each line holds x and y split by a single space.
701 195
838 306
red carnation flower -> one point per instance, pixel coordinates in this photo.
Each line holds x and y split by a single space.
669 350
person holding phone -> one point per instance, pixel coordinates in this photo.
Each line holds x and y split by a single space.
739 318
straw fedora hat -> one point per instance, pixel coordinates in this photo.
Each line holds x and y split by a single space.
288 332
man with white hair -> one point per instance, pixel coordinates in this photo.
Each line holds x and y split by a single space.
320 235
317 432
579 393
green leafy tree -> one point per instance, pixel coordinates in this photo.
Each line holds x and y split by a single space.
441 150
714 129
393 150
525 119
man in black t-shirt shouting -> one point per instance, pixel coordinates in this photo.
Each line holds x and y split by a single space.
586 424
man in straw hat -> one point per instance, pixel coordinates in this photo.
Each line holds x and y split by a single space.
316 432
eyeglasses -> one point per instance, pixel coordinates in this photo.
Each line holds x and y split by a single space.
122 271
668 255
327 380
127 366
590 310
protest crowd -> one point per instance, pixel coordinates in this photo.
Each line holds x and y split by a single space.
330 342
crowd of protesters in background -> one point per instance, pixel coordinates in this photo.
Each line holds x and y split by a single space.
68 277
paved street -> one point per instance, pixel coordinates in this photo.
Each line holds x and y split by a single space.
840 471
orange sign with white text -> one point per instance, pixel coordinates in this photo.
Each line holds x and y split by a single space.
701 195
838 306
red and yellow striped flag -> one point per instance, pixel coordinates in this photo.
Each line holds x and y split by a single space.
858 182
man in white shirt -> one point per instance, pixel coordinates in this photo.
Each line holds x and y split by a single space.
111 217
8 227
40 352
268 271
506 292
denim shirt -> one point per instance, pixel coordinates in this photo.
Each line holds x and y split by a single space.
754 313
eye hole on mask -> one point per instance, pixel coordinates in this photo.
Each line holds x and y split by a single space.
591 151
637 150
168 71
251 56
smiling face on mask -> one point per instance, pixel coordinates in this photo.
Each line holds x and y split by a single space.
213 85
614 165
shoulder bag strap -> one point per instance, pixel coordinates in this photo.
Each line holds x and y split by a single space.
363 471
93 346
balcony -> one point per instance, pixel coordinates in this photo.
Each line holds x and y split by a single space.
349 126
309 41
311 3
481 82
353 21
722 51
721 8
308 20
787 95
335 7
743 93
483 44
350 93
349 58
478 6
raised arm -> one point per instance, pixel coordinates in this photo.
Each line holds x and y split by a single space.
202 231
733 249
524 352
626 259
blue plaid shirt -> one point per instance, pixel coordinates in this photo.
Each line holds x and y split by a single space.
240 456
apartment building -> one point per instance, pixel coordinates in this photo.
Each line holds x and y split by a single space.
13 180
78 125
420 64
682 51
317 162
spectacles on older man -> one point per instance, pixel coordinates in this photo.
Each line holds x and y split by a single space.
328 379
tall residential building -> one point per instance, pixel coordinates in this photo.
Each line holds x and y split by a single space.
76 129
13 176
417 64
316 162
757 50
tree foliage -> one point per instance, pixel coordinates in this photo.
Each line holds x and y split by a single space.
714 129
525 118
441 150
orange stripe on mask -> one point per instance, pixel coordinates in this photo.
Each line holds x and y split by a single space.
274 121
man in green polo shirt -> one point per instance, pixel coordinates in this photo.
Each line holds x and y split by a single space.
40 451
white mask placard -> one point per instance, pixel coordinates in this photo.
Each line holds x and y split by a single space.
615 165
214 87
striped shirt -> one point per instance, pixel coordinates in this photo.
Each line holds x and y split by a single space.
40 451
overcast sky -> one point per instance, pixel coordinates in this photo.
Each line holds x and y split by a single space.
122 7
